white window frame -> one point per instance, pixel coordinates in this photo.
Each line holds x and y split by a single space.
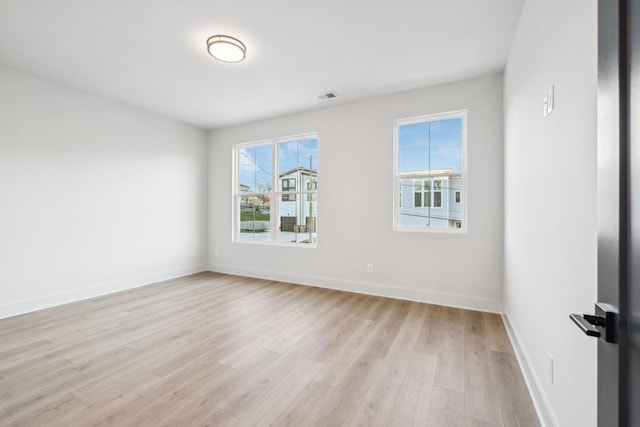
396 174
275 194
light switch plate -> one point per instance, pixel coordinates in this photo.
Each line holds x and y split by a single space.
550 101
545 112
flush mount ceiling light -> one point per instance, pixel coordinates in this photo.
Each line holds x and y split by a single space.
226 48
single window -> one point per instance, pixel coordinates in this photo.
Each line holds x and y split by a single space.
288 184
429 164
418 199
269 176
437 199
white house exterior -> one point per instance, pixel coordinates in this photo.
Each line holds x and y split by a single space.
431 198
294 209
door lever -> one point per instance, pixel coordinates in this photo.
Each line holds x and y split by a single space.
604 322
583 323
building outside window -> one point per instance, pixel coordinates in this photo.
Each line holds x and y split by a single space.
280 207
430 172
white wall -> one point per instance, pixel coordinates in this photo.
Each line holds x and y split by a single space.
355 203
550 202
95 196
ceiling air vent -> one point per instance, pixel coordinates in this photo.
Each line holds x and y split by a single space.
328 95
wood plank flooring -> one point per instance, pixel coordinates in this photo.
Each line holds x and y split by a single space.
221 350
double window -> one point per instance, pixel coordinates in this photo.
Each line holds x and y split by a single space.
430 172
275 191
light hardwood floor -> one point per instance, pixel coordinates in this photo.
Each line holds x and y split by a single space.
221 350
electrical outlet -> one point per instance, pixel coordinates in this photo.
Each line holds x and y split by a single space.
550 367
370 268
216 252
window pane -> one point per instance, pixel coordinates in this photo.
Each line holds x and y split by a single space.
255 169
289 184
297 220
446 144
413 147
254 218
297 167
293 155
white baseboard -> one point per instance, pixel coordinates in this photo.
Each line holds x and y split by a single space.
533 384
431 297
96 290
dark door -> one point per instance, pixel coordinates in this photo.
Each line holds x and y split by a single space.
618 213
631 350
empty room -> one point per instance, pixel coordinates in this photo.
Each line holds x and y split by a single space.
318 214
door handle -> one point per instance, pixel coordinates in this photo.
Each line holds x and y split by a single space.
604 322
586 326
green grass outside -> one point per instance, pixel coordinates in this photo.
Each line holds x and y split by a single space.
248 216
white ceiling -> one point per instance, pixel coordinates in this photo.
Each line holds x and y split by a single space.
152 54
